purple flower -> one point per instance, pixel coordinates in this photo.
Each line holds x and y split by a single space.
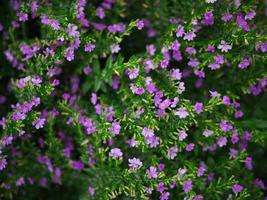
3 163
182 135
133 73
139 91
201 170
152 172
37 80
242 23
250 15
100 13
190 50
181 112
239 114
116 28
175 46
214 66
77 165
211 48
234 138
227 17
225 126
87 70
115 153
224 46
23 17
237 188
233 153
226 100
69 54
245 62
198 107
72 30
208 18
115 128
89 47
193 62
91 191
39 123
175 74
132 142
164 196
222 141
189 36
165 104
150 138
258 182
150 49
115 48
134 163
140 24
207 133
218 59
198 197
187 186
179 31
248 163
172 152
20 181
190 147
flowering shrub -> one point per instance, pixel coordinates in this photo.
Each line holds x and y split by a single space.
133 99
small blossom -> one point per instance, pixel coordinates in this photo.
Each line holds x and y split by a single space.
172 152
115 128
237 188
133 73
134 163
207 133
182 135
180 31
140 24
222 141
224 46
175 74
39 123
89 47
115 48
189 36
244 63
190 147
182 113
115 153
3 163
91 191
187 186
152 172
72 30
248 163
150 49
198 107
77 165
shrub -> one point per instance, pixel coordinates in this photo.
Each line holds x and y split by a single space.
133 99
